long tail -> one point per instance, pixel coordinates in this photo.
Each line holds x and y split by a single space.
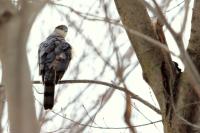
49 96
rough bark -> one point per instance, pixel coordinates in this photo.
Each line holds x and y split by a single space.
177 100
134 16
187 105
194 48
158 68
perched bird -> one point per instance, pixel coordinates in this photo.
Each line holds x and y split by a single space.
54 56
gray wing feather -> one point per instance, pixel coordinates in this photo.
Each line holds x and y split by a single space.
45 53
54 53
63 57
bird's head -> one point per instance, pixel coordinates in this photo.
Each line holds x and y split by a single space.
61 30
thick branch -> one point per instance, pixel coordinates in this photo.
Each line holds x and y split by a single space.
194 47
186 94
134 16
134 96
16 74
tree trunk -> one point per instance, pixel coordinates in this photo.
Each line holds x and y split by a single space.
15 25
16 79
177 100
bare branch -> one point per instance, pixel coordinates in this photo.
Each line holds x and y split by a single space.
85 125
185 17
191 70
140 125
134 96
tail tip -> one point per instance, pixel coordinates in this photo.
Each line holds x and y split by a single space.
46 106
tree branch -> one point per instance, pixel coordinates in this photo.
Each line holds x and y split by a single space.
134 96
146 51
100 127
16 78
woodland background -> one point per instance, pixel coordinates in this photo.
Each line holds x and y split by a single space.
117 44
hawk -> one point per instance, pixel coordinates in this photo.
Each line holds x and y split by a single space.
54 56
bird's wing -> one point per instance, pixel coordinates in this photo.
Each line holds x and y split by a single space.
62 60
54 53
46 53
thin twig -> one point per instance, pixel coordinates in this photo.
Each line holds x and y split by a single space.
134 96
174 7
91 119
185 17
140 125
100 127
132 31
190 70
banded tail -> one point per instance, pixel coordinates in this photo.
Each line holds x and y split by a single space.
49 96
